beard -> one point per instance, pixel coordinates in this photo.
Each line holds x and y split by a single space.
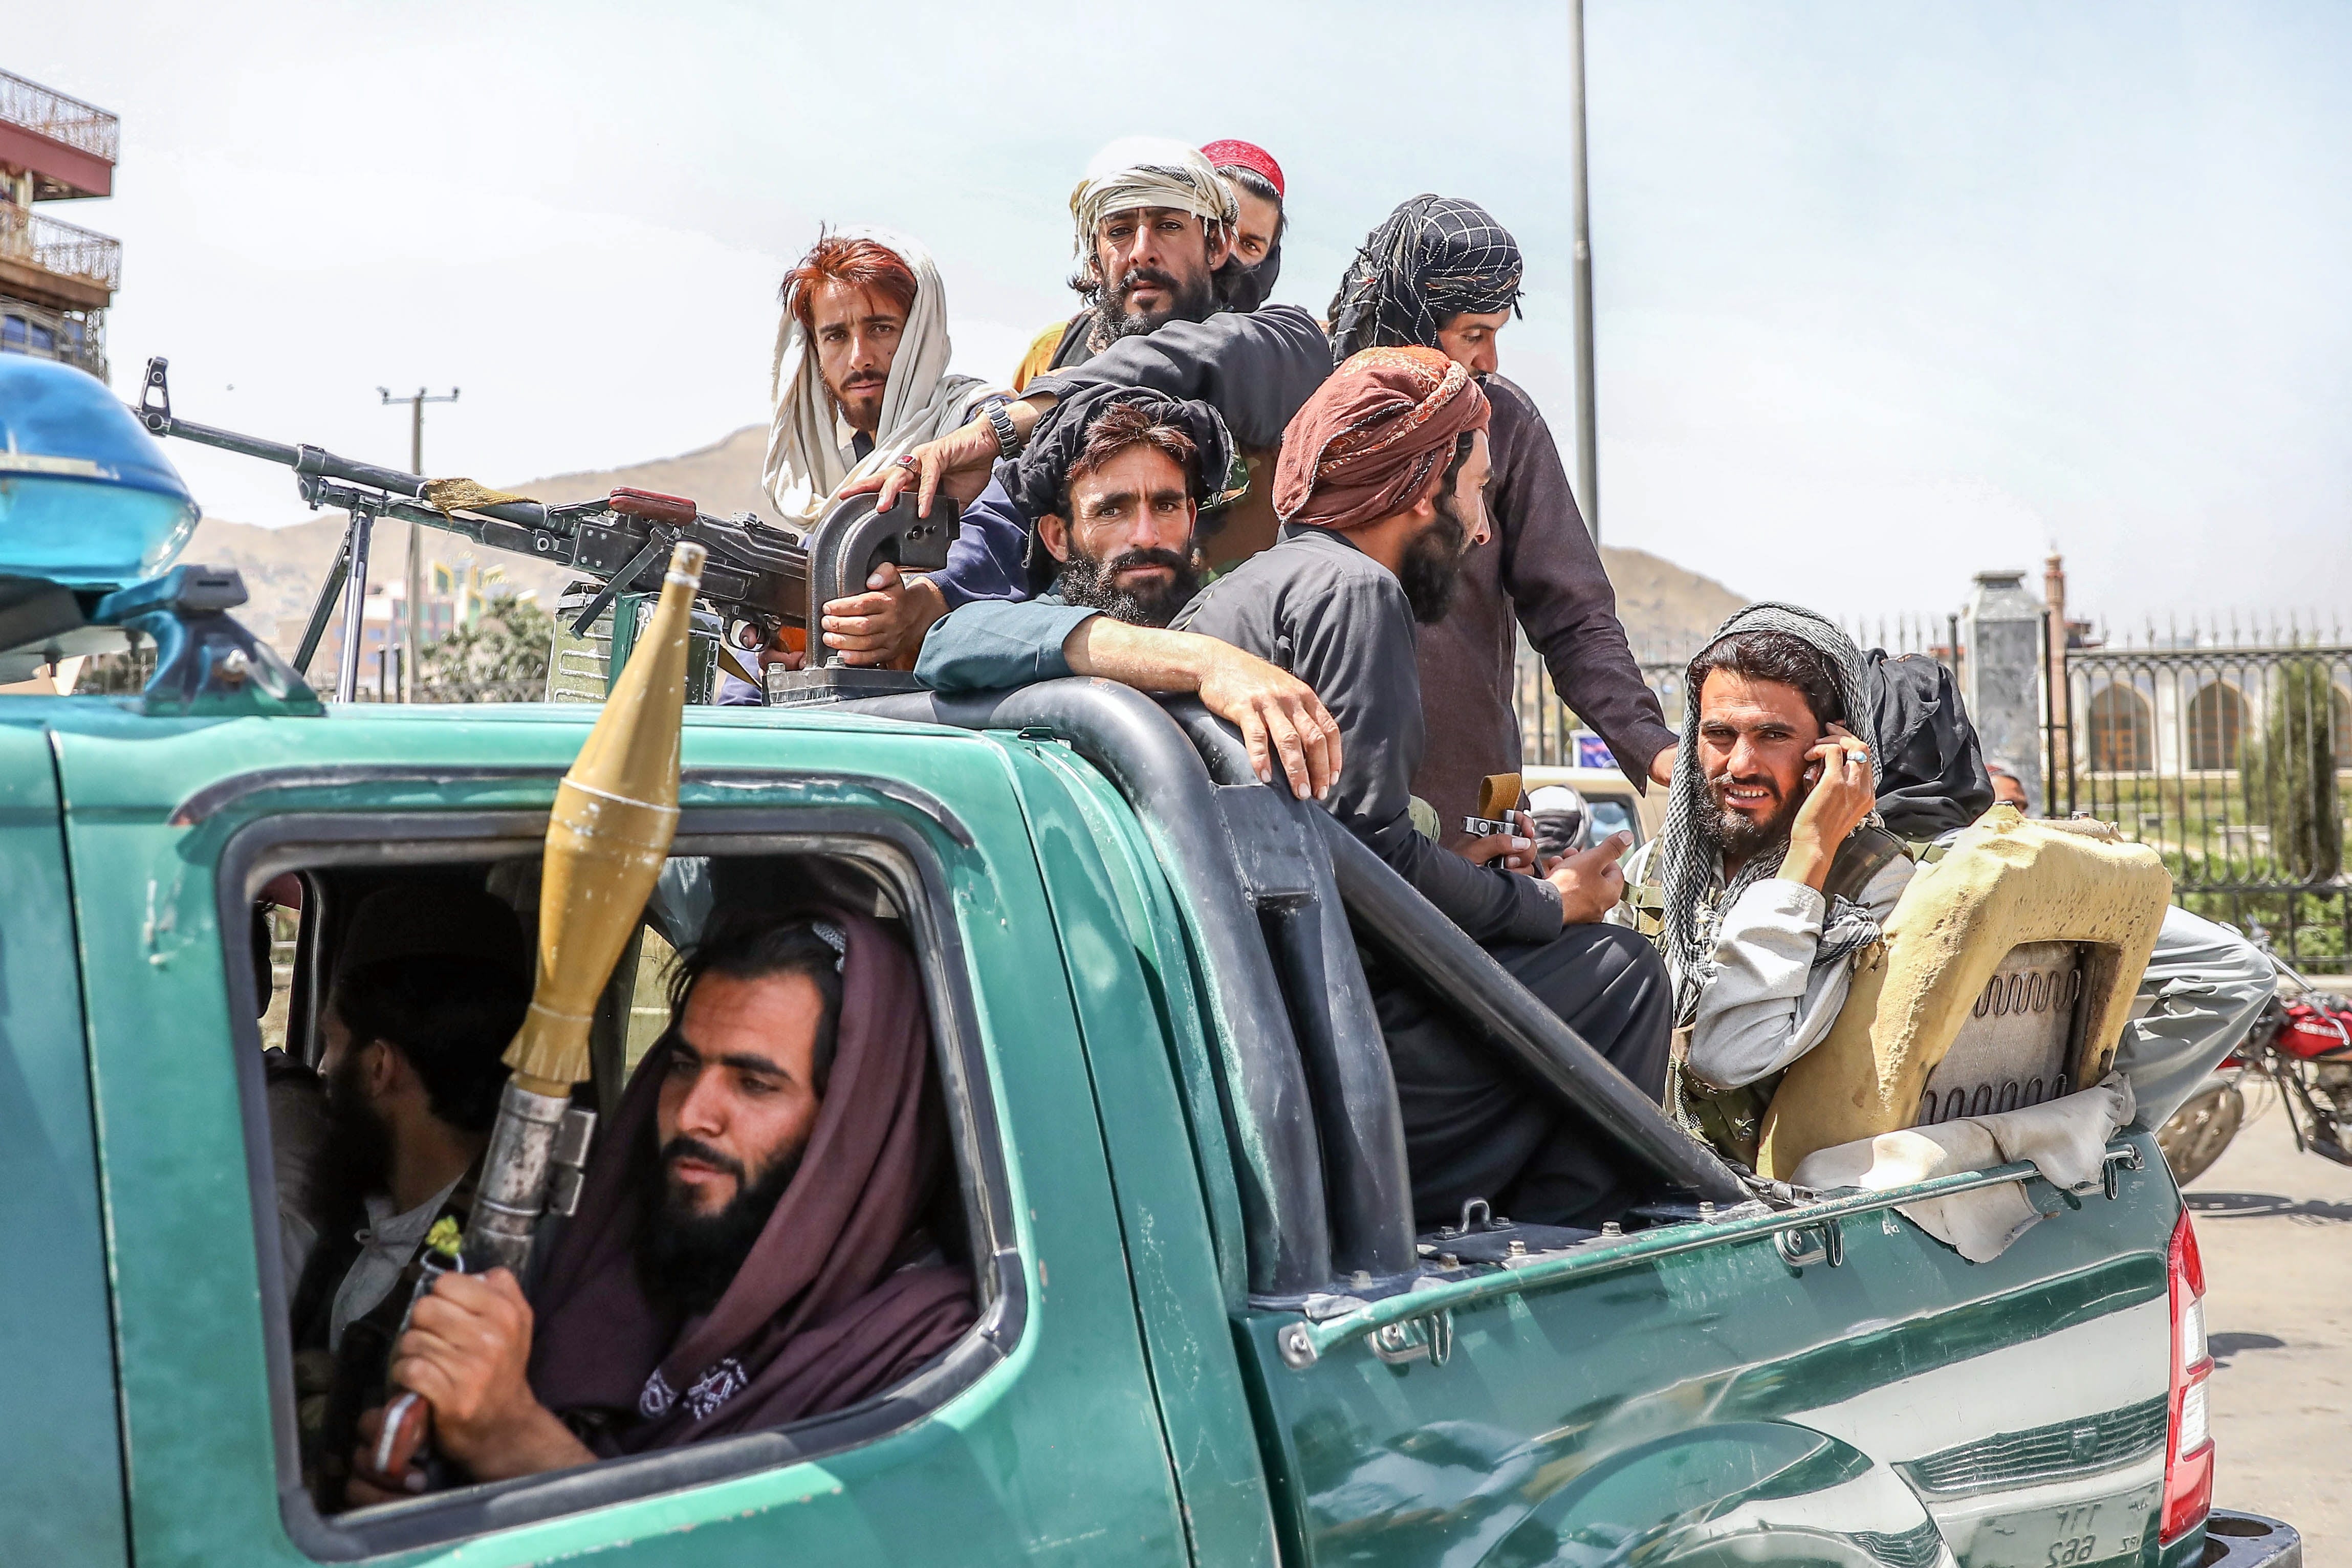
865 387
355 1160
1432 567
1736 836
686 1259
1093 582
1193 300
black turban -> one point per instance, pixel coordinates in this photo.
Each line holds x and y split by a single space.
1434 258
1036 478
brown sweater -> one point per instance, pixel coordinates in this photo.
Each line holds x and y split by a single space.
1542 571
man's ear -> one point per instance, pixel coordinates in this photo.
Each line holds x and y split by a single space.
1056 535
381 1069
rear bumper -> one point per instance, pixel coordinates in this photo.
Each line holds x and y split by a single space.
2249 1540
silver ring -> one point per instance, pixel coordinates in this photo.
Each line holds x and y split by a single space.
908 461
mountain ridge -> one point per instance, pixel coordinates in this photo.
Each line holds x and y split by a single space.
1667 608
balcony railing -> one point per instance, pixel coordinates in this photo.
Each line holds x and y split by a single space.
59 247
52 114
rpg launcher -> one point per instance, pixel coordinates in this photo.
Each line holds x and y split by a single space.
757 577
615 814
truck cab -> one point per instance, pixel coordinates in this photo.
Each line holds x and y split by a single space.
1207 1328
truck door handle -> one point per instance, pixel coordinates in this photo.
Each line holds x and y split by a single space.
1822 1242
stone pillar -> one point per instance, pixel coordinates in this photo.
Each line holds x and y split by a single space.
2060 730
2003 677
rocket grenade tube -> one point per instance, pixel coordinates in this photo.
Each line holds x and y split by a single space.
533 1167
615 814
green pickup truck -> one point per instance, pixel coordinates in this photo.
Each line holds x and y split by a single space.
1208 1331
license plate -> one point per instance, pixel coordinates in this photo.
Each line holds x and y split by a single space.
2074 1536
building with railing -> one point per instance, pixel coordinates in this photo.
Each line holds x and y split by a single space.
57 279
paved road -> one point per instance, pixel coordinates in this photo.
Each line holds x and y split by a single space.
2275 1227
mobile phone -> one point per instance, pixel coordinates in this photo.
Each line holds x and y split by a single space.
1486 827
1813 771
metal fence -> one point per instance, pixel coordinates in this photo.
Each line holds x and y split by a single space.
450 691
2233 763
1548 727
52 114
64 248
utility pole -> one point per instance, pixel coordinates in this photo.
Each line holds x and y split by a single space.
415 543
1587 428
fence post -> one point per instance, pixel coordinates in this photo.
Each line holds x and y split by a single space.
2003 685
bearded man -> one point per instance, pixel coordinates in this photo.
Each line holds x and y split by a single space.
1116 478
1380 491
1775 868
749 1249
1766 880
1154 224
1442 274
430 986
861 368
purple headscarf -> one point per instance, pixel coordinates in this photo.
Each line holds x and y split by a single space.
833 1305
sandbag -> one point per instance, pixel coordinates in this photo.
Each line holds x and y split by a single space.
2006 881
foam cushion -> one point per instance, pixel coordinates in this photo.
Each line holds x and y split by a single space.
2005 880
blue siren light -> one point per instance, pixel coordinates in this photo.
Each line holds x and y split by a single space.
87 497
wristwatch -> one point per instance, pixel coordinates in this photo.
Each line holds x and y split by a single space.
1007 442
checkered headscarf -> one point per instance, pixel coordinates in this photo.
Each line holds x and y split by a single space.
1434 258
1685 867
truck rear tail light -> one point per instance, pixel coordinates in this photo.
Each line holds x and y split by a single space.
2189 1453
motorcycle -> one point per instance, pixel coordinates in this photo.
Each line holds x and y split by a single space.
2302 1042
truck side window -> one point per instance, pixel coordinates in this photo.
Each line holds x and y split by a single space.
793 1025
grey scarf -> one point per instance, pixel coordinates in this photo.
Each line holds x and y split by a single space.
1688 866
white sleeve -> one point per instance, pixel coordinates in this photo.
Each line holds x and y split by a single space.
1763 957
1769 1004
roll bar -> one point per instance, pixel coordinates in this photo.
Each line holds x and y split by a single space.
1441 955
1271 1120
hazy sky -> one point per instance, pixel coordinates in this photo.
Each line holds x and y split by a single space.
1887 294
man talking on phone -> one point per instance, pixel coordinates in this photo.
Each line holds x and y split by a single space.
1771 871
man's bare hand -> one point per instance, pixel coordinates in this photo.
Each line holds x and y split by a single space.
1509 851
958 462
1278 715
466 1350
1662 767
1839 802
1590 881
886 624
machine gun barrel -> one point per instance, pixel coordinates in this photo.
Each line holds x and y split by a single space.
154 411
756 574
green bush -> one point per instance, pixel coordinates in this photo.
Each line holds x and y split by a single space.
503 657
2291 773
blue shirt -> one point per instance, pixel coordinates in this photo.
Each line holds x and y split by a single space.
985 561
990 643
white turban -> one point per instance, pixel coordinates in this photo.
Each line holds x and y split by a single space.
1148 172
807 464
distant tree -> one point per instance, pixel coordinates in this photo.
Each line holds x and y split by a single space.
2293 784
501 657
118 674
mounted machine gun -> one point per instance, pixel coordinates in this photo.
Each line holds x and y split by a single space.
757 577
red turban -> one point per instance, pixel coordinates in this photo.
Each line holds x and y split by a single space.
1373 439
1247 155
